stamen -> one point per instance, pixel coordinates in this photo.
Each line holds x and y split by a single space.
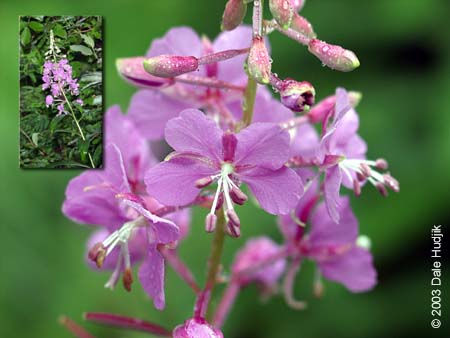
381 164
210 222
391 182
356 188
203 182
238 196
234 223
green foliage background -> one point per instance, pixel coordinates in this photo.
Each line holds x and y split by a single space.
48 140
404 50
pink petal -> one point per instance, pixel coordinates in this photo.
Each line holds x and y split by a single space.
173 182
177 41
232 70
332 185
277 191
151 110
354 270
262 144
325 232
151 276
193 132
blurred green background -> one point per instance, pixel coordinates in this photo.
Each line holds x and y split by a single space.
404 50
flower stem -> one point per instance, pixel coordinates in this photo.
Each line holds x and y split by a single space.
249 102
202 303
78 125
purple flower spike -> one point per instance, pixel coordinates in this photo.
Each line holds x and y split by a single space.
48 100
196 328
255 156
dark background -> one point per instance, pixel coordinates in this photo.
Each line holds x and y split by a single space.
403 46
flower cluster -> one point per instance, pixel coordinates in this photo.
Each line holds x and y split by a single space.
57 77
231 141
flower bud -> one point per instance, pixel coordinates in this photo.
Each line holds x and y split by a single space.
170 65
298 4
282 11
334 56
233 15
303 26
258 62
297 96
195 328
132 70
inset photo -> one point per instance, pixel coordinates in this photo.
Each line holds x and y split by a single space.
61 104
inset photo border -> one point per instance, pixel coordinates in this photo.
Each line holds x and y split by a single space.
61 92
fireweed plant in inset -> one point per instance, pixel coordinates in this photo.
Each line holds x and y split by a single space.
209 101
65 129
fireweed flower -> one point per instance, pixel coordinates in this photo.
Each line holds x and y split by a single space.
333 247
163 99
205 154
196 328
114 199
344 161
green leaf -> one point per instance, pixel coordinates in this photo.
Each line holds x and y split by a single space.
36 26
59 30
35 138
88 40
82 49
25 37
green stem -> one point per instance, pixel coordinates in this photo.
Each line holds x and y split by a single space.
78 125
249 102
215 257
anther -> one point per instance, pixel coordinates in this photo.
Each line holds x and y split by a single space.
210 222
203 182
356 188
97 254
127 279
381 189
365 169
238 196
391 182
381 164
234 223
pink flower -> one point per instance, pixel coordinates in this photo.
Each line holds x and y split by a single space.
204 154
196 328
48 100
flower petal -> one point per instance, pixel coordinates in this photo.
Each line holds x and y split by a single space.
173 182
262 144
232 70
177 41
277 191
193 132
151 276
332 185
151 110
325 232
354 270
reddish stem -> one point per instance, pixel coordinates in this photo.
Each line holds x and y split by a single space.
111 319
74 328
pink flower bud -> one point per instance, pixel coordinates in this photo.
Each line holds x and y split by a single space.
195 328
297 96
132 70
233 15
298 4
334 56
282 11
303 26
170 65
258 62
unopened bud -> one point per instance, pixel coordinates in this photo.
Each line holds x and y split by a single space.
238 196
234 223
298 4
282 11
132 70
303 26
127 279
210 222
297 96
170 65
97 254
203 182
233 15
258 62
334 56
